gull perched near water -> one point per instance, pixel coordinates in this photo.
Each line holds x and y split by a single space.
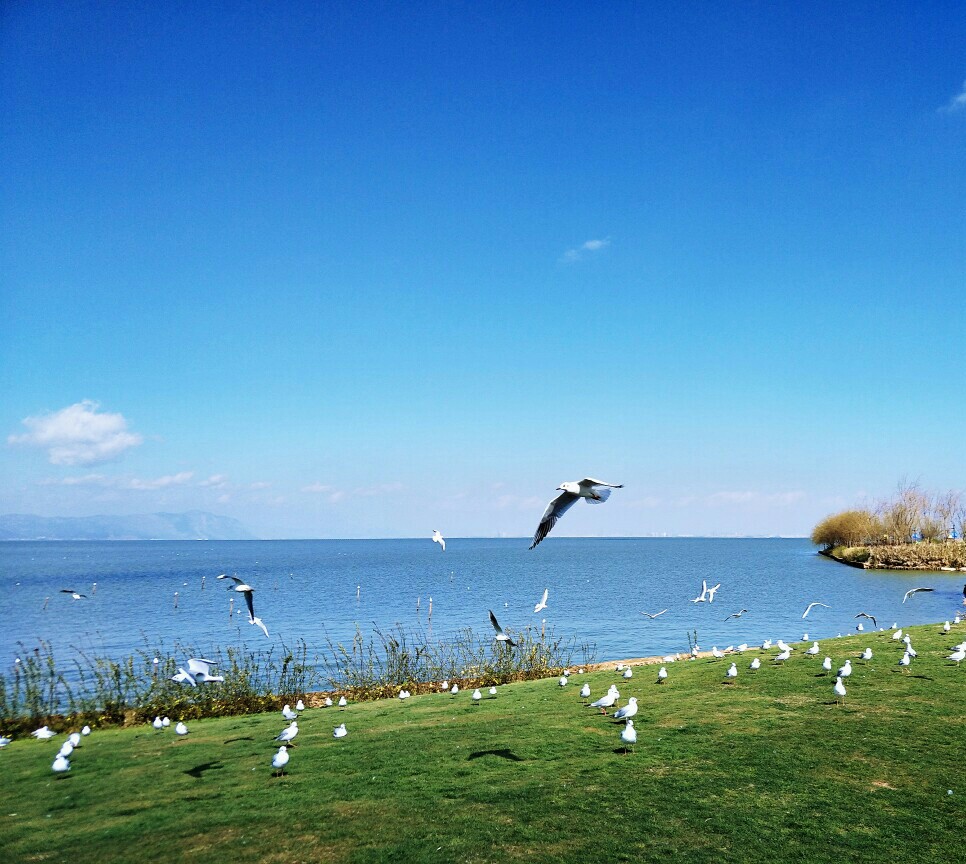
845 670
628 711
607 700
755 664
585 692
661 675
543 601
839 689
912 591
438 538
629 735
500 635
288 713
732 672
827 664
813 650
589 489
248 591
280 760
288 733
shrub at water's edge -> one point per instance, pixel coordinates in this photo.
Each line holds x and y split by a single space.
915 530
42 688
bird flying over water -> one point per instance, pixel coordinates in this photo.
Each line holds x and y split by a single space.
652 617
500 635
909 593
867 615
712 591
703 596
588 489
248 591
811 606
736 614
438 538
73 593
200 670
543 601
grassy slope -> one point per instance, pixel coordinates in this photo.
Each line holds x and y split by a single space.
769 769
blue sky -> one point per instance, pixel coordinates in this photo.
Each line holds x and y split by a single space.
362 270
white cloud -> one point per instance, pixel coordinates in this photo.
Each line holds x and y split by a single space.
215 481
317 487
776 499
381 489
134 483
78 435
579 252
957 103
260 484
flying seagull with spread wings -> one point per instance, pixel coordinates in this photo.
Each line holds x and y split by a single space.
870 617
592 491
655 615
912 591
811 606
438 538
543 601
247 590
500 635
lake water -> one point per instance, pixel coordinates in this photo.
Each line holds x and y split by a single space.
307 589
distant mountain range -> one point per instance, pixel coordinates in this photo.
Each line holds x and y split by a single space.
193 525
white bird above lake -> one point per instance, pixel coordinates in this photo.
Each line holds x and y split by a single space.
543 601
183 677
201 670
712 591
43 733
500 635
61 764
655 615
913 591
280 760
181 729
340 731
628 711
629 735
248 592
703 596
592 491
811 606
438 538
76 595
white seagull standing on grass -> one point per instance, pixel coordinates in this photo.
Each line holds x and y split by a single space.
628 711
438 538
629 735
248 591
588 489
280 760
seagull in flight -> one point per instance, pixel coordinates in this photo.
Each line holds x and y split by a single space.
867 615
588 489
703 596
200 670
543 601
438 538
500 635
912 591
811 606
712 591
736 614
248 591
652 617
73 593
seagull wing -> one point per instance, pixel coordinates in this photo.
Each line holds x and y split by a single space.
543 601
234 579
250 603
555 509
495 623
590 481
199 666
915 591
258 623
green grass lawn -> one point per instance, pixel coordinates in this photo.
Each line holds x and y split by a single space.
767 769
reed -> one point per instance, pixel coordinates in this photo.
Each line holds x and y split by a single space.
41 687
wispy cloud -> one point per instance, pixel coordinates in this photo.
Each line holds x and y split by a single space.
259 484
957 102
773 499
318 488
103 481
78 435
584 250
215 481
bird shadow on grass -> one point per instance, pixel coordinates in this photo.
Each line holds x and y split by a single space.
199 770
503 754
240 738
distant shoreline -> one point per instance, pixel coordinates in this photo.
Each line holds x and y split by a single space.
913 557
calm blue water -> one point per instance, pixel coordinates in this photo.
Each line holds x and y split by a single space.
307 589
